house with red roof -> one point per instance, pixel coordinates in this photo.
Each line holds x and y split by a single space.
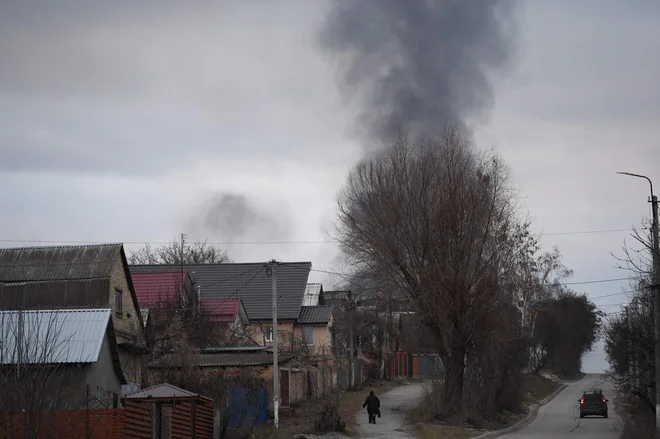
166 291
171 292
229 311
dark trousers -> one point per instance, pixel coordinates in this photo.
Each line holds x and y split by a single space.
372 418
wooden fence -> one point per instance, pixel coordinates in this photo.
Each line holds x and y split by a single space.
137 423
69 424
190 418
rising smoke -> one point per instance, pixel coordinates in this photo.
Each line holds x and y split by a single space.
234 217
418 64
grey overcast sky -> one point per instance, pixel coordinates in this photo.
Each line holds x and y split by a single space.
224 120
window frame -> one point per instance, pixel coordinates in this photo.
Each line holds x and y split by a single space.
119 302
311 334
268 334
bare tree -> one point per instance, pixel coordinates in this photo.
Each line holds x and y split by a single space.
35 380
439 223
629 343
199 252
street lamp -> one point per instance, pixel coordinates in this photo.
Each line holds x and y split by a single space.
655 285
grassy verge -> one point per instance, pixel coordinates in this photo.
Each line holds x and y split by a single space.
445 432
536 388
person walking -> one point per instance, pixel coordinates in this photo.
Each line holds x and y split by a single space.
372 403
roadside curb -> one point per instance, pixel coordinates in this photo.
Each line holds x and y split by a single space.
528 419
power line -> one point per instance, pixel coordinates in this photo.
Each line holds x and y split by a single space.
330 241
602 280
590 232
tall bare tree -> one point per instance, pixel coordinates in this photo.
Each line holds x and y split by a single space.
439 222
198 252
629 342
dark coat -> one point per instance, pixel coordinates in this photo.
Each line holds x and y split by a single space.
372 403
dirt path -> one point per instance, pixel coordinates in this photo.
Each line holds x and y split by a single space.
393 405
391 424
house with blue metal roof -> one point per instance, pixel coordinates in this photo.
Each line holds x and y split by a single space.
73 352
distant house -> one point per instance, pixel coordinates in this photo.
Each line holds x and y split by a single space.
75 277
314 328
165 289
255 360
252 283
167 295
303 330
73 350
225 311
313 295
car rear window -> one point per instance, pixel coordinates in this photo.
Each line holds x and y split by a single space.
593 397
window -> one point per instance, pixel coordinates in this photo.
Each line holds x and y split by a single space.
307 335
268 334
118 304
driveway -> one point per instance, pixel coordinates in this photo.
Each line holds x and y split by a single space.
560 417
391 424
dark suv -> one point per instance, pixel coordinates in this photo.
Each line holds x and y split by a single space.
593 403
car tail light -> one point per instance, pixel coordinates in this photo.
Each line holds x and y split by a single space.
604 400
582 401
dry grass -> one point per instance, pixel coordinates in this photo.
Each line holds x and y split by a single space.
291 423
538 388
429 431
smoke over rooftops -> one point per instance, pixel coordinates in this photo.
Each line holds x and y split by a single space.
418 64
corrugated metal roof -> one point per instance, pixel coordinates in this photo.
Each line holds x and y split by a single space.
310 315
249 282
163 391
158 289
77 293
57 263
312 294
52 336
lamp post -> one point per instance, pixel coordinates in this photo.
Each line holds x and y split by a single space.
656 287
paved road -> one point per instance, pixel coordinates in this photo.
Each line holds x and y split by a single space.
391 424
560 418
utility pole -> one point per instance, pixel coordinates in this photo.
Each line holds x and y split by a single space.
655 284
351 364
276 371
181 252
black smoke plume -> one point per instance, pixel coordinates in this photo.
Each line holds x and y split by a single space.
419 65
